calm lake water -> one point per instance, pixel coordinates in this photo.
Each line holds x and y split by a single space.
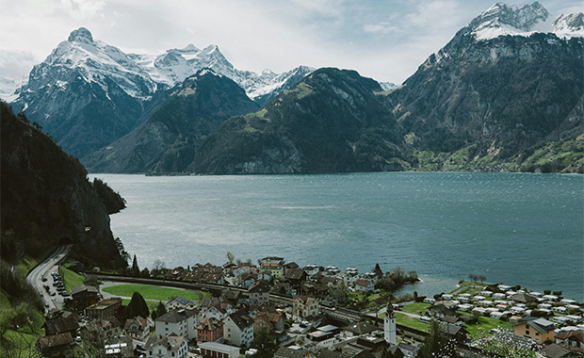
525 229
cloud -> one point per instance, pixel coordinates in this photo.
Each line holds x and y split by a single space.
383 27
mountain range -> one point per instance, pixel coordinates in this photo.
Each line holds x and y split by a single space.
506 93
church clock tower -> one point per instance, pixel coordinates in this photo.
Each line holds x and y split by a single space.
389 329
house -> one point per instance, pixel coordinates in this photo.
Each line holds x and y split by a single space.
57 345
295 276
231 295
274 264
290 266
244 267
440 311
272 321
238 329
58 326
571 339
363 285
84 295
138 328
180 322
181 303
104 309
214 311
246 279
168 346
265 275
259 293
218 350
456 332
100 330
210 330
304 307
557 351
359 329
539 329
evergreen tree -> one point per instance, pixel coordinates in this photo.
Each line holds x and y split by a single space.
135 268
437 343
159 310
137 307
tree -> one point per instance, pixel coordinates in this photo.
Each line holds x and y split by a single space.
135 267
230 256
159 310
137 307
437 343
264 343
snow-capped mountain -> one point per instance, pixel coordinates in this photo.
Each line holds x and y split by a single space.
524 20
87 93
175 65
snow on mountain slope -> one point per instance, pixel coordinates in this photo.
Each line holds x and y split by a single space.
96 62
523 20
176 65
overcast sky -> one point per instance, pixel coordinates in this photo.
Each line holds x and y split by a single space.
383 39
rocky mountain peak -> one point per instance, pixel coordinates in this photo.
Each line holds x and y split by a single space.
571 24
81 35
503 19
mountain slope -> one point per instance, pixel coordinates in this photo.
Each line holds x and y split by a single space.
166 142
85 94
330 122
47 199
498 95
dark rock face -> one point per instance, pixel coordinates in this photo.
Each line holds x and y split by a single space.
46 198
330 122
166 142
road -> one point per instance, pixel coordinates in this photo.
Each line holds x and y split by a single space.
44 270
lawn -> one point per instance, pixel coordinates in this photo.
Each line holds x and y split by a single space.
415 308
485 325
154 292
151 304
71 278
408 321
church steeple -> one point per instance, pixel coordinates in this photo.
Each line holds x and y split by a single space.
389 326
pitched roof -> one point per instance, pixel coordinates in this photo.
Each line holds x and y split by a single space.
61 325
555 351
575 335
259 287
523 298
81 288
241 319
175 316
361 328
181 300
541 325
295 274
172 342
55 340
362 282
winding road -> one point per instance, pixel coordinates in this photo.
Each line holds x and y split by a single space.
43 270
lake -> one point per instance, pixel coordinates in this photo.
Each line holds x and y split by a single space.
525 229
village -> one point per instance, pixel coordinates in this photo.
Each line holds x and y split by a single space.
279 309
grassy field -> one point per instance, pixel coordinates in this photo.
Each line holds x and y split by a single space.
411 322
485 325
71 279
415 308
154 293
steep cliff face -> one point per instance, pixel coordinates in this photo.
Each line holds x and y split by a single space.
331 121
47 199
499 85
166 142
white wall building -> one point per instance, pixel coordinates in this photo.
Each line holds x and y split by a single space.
389 327
180 322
